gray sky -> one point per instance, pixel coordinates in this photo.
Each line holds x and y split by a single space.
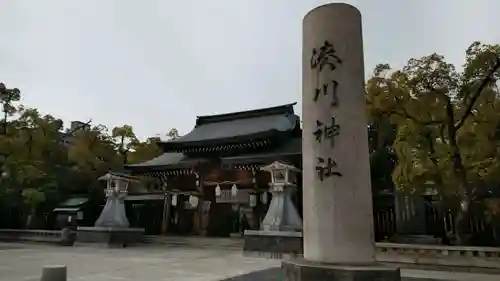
157 64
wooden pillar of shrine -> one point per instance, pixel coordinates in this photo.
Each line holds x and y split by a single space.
199 225
167 206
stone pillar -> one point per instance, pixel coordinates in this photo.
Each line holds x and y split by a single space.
337 199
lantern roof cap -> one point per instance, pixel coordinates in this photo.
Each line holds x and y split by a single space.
278 165
112 175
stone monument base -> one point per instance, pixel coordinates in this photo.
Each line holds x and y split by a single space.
111 236
272 244
301 270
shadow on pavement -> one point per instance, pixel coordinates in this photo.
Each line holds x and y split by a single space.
270 274
274 274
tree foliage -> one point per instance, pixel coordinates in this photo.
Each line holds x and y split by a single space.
91 153
8 97
125 140
146 150
42 164
446 122
173 134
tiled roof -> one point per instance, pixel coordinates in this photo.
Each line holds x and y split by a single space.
236 128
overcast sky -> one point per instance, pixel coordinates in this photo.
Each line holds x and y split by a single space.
157 64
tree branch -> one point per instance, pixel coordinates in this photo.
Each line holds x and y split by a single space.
406 114
416 120
432 156
482 86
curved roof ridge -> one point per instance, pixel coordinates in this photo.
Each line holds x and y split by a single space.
275 110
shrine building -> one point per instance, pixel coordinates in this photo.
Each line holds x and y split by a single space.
211 182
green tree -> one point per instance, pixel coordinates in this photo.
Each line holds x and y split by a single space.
125 140
35 153
173 134
446 123
40 165
92 154
8 100
8 97
144 151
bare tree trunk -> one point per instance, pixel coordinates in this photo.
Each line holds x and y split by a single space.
460 174
125 158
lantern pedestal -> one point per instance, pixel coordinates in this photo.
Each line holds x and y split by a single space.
282 214
112 237
281 228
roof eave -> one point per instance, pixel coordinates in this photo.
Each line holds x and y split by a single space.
213 144
169 167
280 109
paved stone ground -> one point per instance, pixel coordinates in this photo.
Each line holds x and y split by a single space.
23 262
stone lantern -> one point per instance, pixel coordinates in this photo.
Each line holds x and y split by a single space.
113 214
112 226
282 214
281 229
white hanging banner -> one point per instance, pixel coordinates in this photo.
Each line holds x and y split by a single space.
242 196
193 200
253 200
234 190
217 191
174 200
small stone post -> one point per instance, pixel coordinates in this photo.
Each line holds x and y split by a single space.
54 273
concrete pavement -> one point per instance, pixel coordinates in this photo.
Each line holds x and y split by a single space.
23 262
